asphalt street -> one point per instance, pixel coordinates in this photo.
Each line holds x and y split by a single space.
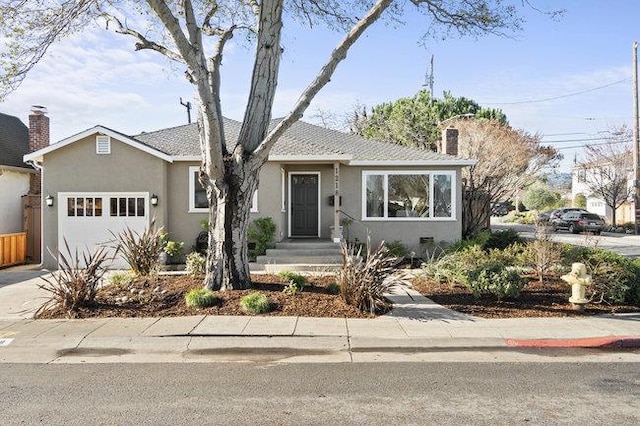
624 244
367 394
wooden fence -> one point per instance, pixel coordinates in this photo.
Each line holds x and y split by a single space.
13 249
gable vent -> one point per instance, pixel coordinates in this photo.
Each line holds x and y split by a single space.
103 145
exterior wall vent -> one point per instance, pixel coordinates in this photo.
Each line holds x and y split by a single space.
103 145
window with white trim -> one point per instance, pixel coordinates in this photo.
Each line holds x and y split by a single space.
408 195
198 202
84 206
103 144
126 206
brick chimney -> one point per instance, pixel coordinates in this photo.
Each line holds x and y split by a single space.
449 141
38 139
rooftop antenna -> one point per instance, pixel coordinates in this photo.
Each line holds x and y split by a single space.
429 78
187 105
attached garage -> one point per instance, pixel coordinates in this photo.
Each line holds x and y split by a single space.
88 219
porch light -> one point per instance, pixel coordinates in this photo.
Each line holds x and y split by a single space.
49 200
154 200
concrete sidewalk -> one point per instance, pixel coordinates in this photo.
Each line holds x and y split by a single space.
416 330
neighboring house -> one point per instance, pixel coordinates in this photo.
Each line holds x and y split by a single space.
582 180
15 175
101 180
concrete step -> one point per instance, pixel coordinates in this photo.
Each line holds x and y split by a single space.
292 259
274 268
303 252
307 245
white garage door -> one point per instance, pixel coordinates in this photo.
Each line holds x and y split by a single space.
87 219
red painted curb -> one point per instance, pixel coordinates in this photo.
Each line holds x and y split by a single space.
588 342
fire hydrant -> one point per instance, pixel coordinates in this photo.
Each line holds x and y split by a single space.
579 281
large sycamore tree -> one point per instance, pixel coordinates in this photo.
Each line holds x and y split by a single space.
194 34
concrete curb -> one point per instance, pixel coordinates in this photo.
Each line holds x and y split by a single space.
626 342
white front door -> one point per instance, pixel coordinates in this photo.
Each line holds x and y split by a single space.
87 220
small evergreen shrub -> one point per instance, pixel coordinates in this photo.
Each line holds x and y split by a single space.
333 288
255 303
397 249
294 281
200 298
196 264
121 279
174 248
496 280
262 231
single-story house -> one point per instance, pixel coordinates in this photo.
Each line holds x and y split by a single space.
15 175
101 180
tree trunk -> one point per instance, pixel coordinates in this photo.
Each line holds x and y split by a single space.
613 217
230 201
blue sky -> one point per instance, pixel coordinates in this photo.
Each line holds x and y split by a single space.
96 77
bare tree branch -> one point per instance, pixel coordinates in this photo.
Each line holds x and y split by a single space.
143 42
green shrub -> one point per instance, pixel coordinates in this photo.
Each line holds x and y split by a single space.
196 264
174 248
459 267
397 249
363 279
333 288
120 279
200 298
141 251
262 231
495 279
255 303
76 282
295 282
487 240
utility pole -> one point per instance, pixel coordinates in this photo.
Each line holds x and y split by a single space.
636 140
429 80
187 105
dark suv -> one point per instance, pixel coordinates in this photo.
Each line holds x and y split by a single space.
558 213
579 221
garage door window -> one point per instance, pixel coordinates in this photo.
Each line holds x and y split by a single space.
127 206
84 206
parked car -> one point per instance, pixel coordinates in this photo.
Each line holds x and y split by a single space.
499 209
579 221
558 213
543 217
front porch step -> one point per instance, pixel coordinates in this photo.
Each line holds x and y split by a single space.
275 268
319 245
280 252
292 258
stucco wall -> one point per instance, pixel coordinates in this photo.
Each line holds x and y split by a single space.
407 231
185 226
77 168
13 185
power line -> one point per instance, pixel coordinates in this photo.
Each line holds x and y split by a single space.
591 144
558 97
581 140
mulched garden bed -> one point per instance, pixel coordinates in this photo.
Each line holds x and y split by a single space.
546 299
164 296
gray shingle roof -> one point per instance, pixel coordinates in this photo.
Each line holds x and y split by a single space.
14 141
300 140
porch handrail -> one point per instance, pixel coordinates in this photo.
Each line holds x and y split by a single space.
354 220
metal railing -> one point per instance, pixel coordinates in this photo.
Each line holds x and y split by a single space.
356 221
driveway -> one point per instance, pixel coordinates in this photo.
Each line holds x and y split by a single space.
20 296
625 244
